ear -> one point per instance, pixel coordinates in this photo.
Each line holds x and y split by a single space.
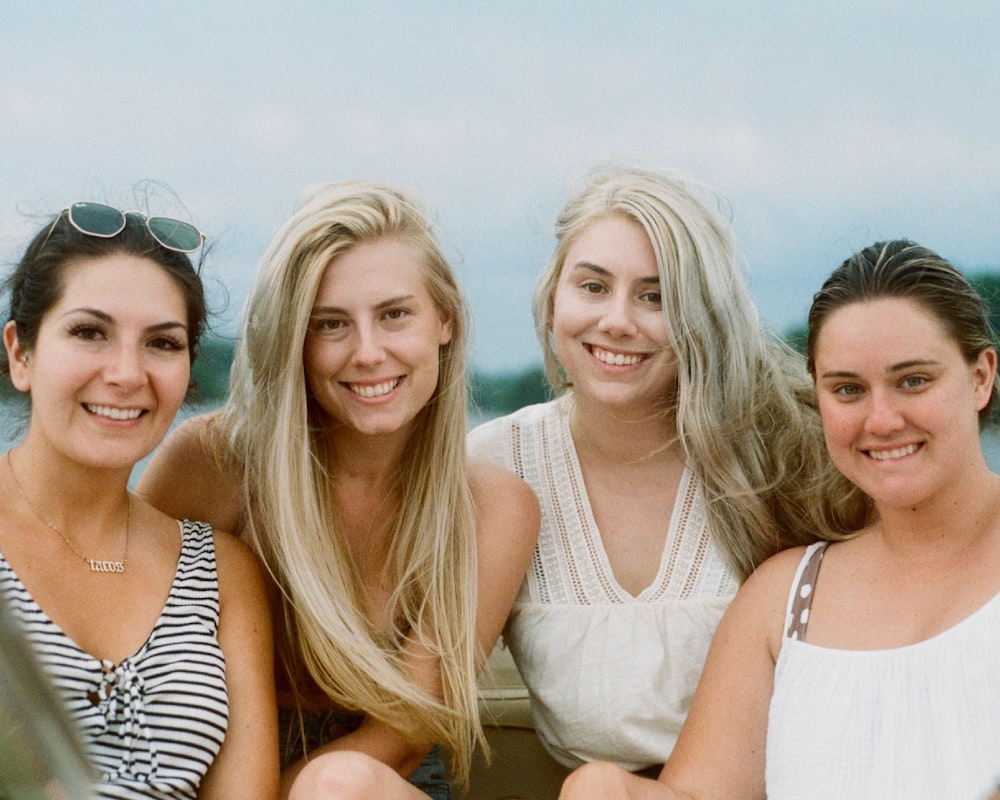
447 323
17 358
984 373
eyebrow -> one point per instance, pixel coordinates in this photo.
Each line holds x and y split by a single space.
392 301
105 317
898 367
652 280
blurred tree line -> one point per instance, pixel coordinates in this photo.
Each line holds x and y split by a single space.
493 394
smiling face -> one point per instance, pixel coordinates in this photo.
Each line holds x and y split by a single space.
110 365
372 351
608 328
899 402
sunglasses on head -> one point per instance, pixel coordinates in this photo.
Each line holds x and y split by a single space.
97 219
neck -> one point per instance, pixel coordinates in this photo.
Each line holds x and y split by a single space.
948 522
72 495
86 526
618 440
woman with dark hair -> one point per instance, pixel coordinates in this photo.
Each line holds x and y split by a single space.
154 631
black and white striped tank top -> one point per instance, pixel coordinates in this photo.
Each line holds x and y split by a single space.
153 723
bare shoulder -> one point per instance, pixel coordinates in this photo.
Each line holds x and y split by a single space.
502 498
195 440
185 478
762 600
242 582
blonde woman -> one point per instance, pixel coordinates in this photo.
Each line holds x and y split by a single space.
340 457
683 449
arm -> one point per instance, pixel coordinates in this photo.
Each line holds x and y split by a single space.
183 478
507 522
720 750
247 764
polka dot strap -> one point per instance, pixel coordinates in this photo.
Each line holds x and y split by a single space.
798 616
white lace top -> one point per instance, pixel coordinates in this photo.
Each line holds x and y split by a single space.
920 722
610 675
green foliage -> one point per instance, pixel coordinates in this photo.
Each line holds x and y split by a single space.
211 368
796 337
988 286
501 394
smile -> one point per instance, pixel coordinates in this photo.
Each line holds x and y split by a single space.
615 359
113 413
374 390
898 452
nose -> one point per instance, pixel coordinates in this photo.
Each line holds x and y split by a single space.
369 350
884 416
617 318
125 367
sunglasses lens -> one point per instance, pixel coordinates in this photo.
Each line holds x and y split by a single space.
96 219
175 234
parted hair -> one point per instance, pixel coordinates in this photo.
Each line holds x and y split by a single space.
273 432
744 407
903 269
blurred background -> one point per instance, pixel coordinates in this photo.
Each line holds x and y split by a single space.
826 126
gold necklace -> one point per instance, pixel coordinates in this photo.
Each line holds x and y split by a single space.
96 565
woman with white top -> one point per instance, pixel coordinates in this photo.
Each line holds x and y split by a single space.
868 668
683 451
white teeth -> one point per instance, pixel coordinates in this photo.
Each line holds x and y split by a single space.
113 413
617 359
899 452
377 390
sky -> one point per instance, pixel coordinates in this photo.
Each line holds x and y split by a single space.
826 126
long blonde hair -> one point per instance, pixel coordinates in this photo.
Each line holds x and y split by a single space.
273 432
744 405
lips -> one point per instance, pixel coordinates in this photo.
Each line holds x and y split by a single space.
371 390
616 359
894 453
110 412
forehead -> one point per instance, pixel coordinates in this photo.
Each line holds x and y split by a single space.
372 268
611 240
122 280
888 329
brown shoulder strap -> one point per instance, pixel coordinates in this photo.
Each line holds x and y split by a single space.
801 603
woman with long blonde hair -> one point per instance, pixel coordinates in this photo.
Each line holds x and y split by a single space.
340 457
683 448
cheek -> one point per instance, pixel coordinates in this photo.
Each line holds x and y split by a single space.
174 384
838 424
566 319
316 363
